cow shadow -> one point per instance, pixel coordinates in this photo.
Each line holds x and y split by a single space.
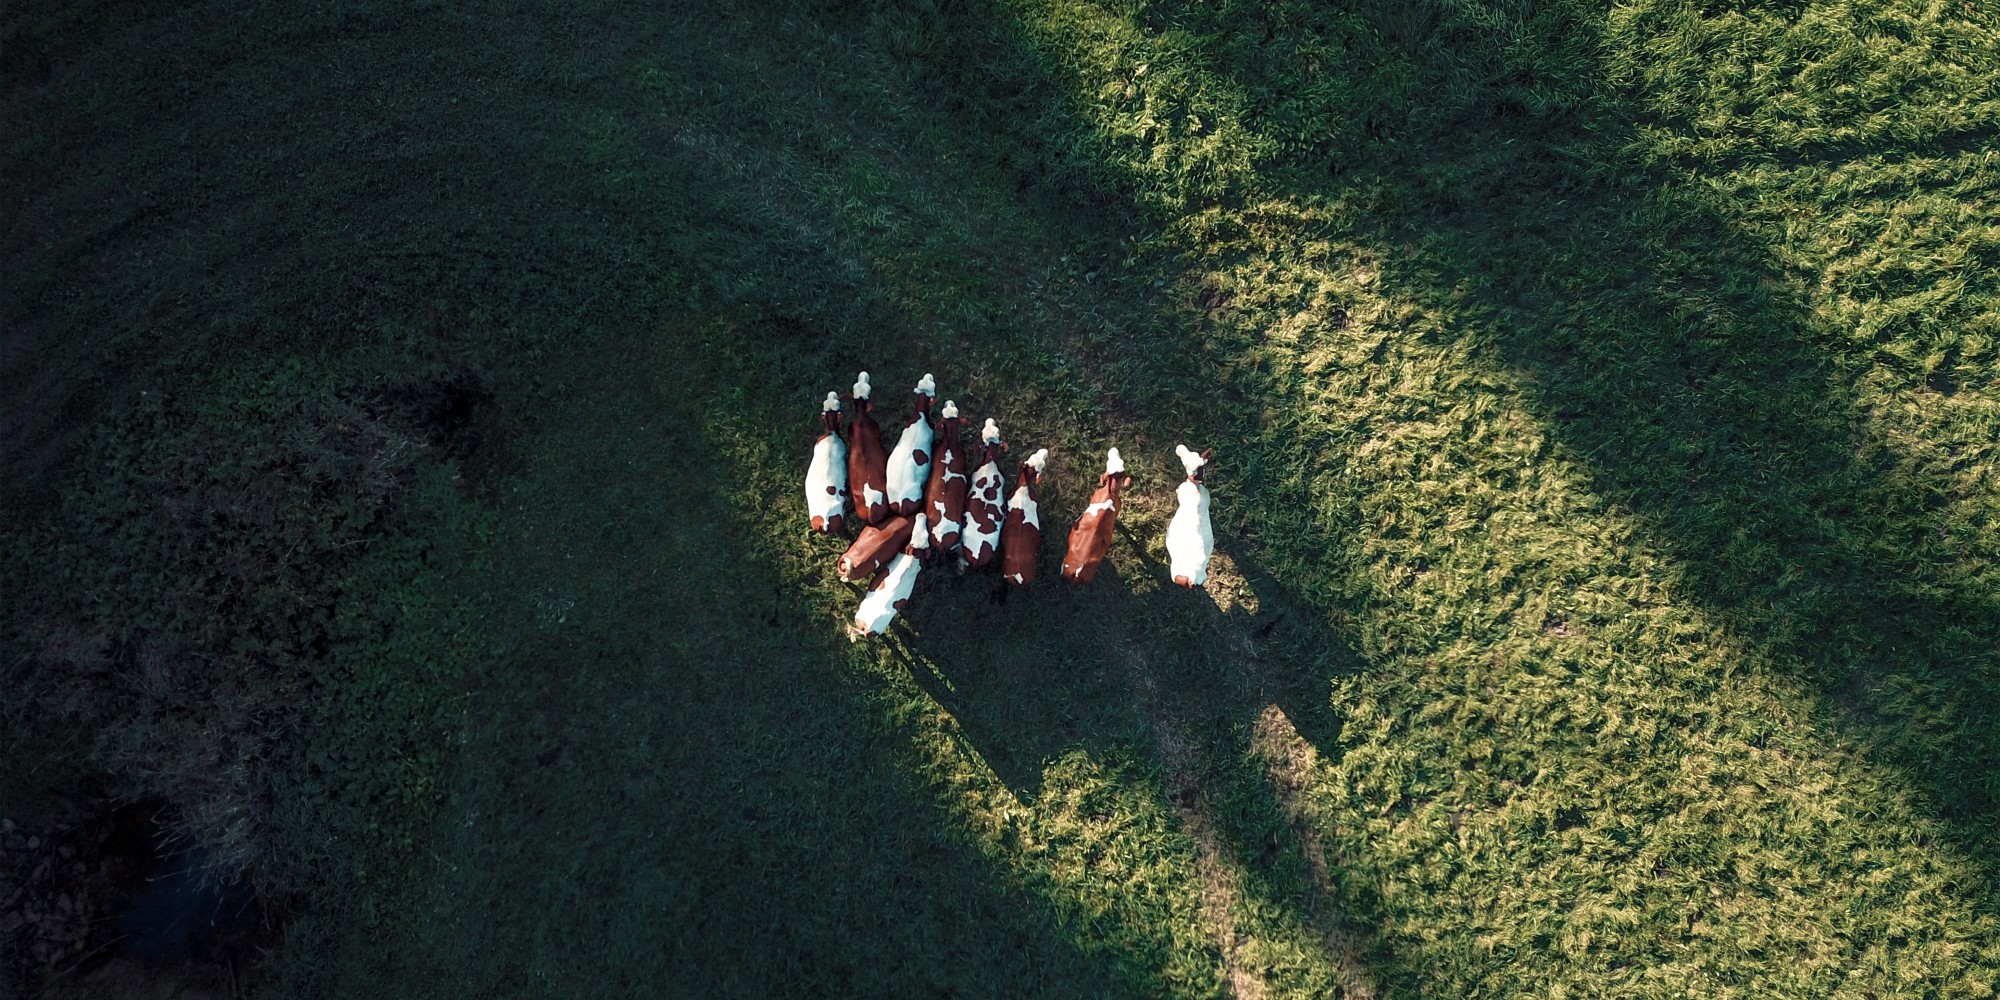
1195 685
1033 672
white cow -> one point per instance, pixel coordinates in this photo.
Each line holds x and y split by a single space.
1190 539
910 463
891 589
826 477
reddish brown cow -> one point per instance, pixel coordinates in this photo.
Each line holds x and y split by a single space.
985 507
873 548
1021 537
944 500
1091 537
867 463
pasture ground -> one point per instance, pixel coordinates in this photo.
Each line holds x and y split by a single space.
406 404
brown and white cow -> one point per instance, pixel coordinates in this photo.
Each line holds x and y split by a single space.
944 500
873 548
1021 537
985 508
910 463
867 463
1190 539
826 477
891 587
1091 537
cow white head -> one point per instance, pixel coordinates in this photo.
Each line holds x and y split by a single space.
1193 461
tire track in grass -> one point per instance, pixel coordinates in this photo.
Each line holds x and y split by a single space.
1221 890
1292 766
1288 760
1140 624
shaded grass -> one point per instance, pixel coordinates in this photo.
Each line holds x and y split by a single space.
659 784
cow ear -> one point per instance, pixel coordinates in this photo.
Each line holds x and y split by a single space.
1124 480
1206 454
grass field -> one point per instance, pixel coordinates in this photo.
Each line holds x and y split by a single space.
407 404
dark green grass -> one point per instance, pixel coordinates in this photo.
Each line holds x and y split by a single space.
1605 416
660 787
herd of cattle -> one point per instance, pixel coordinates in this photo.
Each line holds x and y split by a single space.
916 504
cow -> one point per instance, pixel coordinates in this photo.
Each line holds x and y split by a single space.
910 463
1190 539
944 500
873 548
985 508
1021 536
826 477
891 587
867 463
1091 537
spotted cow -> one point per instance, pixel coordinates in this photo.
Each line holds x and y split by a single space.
1021 536
1190 539
1091 538
826 477
985 508
944 500
891 588
910 463
867 463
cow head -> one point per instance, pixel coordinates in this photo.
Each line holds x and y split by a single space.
861 392
925 391
829 413
949 415
1115 477
989 439
1031 470
1194 462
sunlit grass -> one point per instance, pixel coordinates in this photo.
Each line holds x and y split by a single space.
1158 887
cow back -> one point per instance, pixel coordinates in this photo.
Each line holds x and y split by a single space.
873 549
867 467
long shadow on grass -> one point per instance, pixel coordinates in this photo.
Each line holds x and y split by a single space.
1208 696
1662 346
1032 672
1706 398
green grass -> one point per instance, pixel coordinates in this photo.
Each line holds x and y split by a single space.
1605 420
